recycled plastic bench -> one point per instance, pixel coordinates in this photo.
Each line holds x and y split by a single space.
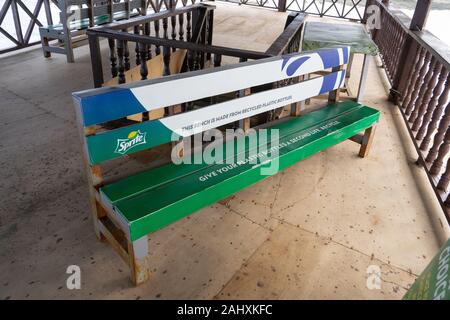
127 210
87 13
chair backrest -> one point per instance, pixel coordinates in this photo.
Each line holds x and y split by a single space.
75 10
97 107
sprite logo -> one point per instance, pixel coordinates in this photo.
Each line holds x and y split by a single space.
134 139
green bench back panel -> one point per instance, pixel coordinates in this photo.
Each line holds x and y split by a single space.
191 187
79 17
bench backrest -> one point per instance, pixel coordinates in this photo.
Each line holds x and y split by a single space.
100 106
75 10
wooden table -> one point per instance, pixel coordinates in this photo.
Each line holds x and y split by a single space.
324 35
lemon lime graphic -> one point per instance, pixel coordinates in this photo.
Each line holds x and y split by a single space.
132 134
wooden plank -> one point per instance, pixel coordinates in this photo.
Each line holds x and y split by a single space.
367 141
148 134
147 95
170 202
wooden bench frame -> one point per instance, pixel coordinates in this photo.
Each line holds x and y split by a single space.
88 11
91 111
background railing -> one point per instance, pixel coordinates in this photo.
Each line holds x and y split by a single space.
345 9
20 19
417 65
188 28
19 30
167 32
161 32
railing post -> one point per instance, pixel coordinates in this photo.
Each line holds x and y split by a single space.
96 60
420 15
282 5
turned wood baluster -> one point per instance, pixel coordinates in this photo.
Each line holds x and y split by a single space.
428 90
181 27
188 26
196 63
413 76
382 33
443 151
143 69
400 46
112 57
120 52
147 33
437 114
439 137
165 25
126 55
158 49
173 23
439 162
445 178
136 49
433 104
396 49
391 47
217 60
166 58
417 85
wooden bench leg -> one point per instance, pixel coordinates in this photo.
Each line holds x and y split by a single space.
97 213
139 260
367 141
69 53
45 43
68 46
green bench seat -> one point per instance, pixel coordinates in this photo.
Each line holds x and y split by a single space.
156 198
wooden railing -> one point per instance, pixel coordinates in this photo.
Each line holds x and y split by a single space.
417 65
289 40
151 35
190 28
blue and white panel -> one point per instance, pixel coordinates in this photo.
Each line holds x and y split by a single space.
189 123
98 107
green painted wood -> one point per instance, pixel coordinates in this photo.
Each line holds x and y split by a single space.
154 199
433 282
116 143
108 145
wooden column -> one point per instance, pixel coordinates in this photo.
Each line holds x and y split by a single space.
420 16
96 60
282 5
